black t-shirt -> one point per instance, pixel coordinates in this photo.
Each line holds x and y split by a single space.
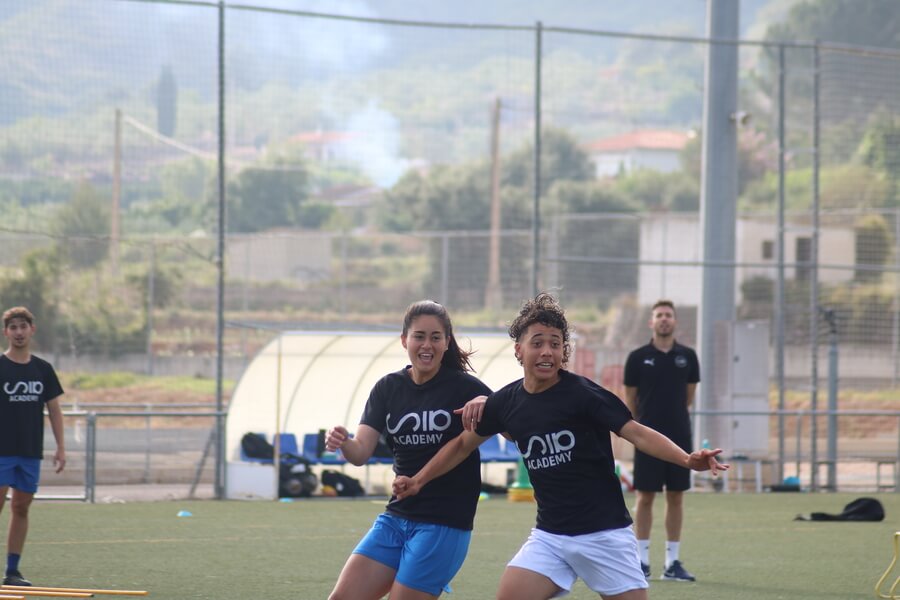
417 421
661 379
563 435
24 389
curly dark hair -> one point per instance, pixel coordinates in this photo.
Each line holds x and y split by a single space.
455 357
543 309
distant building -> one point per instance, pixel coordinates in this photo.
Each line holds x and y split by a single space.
353 200
655 149
676 237
298 256
325 146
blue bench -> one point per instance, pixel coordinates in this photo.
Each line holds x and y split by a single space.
312 448
287 445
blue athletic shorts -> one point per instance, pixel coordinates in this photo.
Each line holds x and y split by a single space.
20 472
425 556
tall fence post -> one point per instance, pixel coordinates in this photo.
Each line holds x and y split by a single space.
220 263
90 463
536 207
831 318
445 268
814 281
895 329
779 286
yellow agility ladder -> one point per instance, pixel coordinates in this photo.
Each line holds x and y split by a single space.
884 578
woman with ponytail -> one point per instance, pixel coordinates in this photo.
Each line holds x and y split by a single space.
418 544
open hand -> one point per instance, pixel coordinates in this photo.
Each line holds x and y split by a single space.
705 460
471 413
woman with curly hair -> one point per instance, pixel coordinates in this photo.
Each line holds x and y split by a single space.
561 423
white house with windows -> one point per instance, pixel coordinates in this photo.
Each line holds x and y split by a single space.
654 149
671 253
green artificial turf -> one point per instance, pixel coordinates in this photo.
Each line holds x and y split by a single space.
740 547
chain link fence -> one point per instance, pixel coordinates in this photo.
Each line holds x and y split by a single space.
408 152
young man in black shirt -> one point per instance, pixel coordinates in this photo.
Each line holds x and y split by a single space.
561 424
27 385
660 381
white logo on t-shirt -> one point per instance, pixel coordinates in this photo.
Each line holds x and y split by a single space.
24 391
549 450
423 424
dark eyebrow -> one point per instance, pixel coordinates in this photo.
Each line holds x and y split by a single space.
541 334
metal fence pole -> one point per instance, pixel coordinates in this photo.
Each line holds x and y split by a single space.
814 279
344 271
831 317
220 260
536 208
779 287
148 437
895 329
897 464
90 463
445 268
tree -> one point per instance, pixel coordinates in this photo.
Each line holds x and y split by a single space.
450 198
873 246
873 23
166 102
880 150
562 158
456 197
33 287
83 228
652 190
590 224
167 280
756 156
869 23
841 186
269 196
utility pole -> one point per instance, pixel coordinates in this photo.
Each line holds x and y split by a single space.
151 293
718 206
493 295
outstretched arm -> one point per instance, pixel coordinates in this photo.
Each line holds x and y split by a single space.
358 449
453 453
656 444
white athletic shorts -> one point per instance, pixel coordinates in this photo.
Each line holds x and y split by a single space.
607 561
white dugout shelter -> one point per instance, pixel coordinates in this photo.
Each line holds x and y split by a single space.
302 382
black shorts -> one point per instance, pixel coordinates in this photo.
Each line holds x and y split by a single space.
651 474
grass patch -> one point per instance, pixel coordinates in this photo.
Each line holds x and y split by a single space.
120 379
98 381
740 547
